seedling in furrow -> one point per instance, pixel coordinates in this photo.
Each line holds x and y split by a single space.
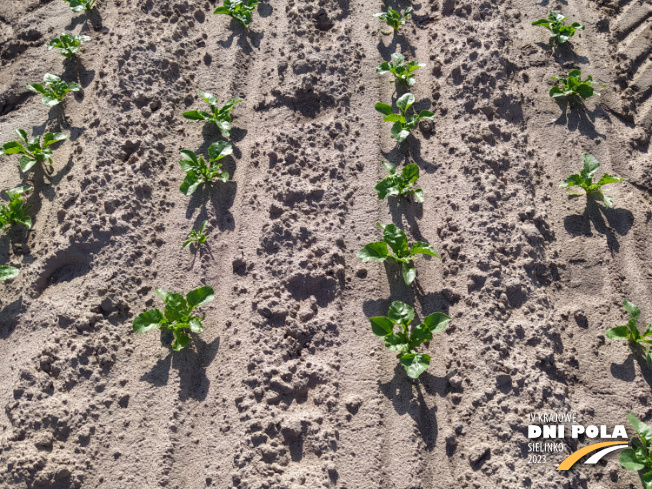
560 32
14 213
7 272
585 180
639 457
405 342
630 331
53 89
393 18
402 72
238 9
220 117
197 237
80 5
403 124
177 315
573 87
400 184
67 44
401 252
198 172
33 151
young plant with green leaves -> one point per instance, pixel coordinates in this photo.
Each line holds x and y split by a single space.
177 315
80 5
639 456
630 331
396 240
15 211
400 184
585 180
197 237
33 151
573 87
8 272
403 341
68 44
239 9
221 117
198 172
555 24
402 72
403 123
53 89
394 19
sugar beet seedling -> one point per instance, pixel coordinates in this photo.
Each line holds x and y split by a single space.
394 19
240 10
402 72
403 123
198 172
631 333
555 24
221 117
197 237
401 253
33 151
67 44
80 5
404 342
573 88
400 184
585 180
177 315
53 89
14 212
639 457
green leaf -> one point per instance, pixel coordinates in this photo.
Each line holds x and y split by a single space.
196 325
219 150
415 364
389 167
646 480
405 102
423 248
400 313
381 326
572 181
606 179
608 201
396 239
396 342
162 293
585 90
12 147
399 133
180 340
176 307
631 309
196 115
51 138
18 191
409 274
556 92
437 322
383 108
628 460
618 333
543 22
200 296
426 114
418 195
148 320
209 98
373 251
190 183
8 272
411 172
26 163
383 68
643 430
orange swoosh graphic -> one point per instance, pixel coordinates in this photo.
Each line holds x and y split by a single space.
575 456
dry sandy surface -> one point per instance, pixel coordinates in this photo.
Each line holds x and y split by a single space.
287 387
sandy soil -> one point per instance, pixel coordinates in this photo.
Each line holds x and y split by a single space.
287 387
